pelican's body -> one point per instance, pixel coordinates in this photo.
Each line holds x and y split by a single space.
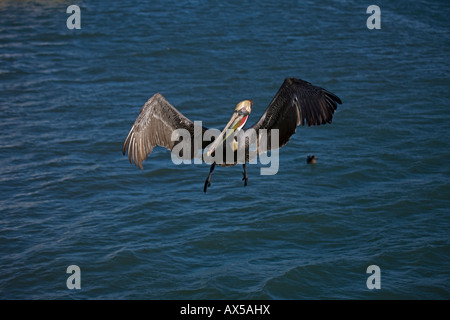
296 102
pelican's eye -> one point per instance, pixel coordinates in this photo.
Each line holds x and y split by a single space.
243 112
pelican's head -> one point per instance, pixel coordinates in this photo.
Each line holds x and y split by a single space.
237 121
244 106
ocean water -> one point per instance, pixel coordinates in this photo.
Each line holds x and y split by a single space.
378 195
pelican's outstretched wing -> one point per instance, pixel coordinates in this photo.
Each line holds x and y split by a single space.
154 126
296 102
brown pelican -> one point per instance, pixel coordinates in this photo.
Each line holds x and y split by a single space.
296 102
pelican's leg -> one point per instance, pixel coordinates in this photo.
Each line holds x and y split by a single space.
208 180
245 178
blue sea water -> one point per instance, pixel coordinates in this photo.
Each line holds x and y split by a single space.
378 195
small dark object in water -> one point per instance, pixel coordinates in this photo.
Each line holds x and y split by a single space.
311 159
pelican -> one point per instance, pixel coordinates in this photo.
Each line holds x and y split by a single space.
297 102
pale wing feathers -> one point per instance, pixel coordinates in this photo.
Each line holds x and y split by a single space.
153 127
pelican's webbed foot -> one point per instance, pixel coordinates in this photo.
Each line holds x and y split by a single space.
208 179
245 178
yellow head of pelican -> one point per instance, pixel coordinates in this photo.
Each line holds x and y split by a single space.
237 121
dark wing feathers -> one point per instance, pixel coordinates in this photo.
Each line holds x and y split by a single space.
153 127
296 102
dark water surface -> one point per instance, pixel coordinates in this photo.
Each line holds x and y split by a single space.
379 194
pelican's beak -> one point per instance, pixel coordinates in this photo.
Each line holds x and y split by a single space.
236 122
